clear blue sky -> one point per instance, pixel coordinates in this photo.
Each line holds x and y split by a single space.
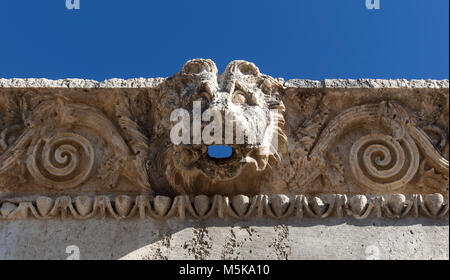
312 39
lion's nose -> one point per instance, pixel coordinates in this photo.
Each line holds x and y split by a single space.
223 121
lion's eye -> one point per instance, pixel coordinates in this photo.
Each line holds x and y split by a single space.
239 98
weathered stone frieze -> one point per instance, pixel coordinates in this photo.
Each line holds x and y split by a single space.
373 141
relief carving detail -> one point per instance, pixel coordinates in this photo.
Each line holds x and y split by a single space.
294 151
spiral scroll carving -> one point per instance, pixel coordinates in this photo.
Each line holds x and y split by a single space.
63 161
383 163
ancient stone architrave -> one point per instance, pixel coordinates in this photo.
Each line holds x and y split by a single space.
362 148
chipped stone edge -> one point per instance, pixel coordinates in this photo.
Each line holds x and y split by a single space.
367 83
240 207
154 82
81 83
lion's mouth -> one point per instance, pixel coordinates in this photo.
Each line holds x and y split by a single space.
222 162
224 155
218 162
221 154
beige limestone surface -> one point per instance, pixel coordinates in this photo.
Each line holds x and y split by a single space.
227 239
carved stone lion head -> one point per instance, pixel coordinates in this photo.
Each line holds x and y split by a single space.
241 109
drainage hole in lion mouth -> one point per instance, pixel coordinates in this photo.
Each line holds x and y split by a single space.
219 152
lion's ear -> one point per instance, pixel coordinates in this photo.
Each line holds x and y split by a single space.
272 88
199 67
242 67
